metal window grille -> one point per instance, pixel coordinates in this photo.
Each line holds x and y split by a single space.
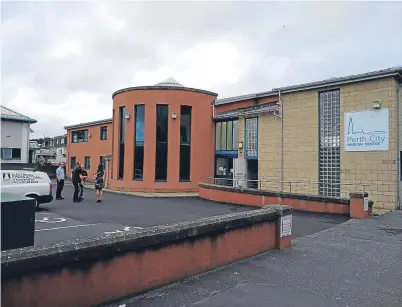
329 138
251 137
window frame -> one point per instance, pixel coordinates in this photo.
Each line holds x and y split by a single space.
164 143
246 155
87 158
72 165
234 124
102 129
84 140
141 177
122 134
184 145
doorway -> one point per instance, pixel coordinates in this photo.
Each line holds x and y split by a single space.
224 171
252 173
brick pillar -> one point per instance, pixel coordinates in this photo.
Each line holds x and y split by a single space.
283 226
359 205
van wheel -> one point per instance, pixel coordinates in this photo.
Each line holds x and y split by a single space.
36 201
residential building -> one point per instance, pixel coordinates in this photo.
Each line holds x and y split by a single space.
50 149
329 138
90 144
15 131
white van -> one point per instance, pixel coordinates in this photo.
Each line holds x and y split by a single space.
27 183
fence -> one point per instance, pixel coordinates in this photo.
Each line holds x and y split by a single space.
305 187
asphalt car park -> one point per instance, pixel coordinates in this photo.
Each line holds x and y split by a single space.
63 220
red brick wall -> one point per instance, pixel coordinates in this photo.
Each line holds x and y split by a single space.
202 139
138 271
94 148
243 104
241 198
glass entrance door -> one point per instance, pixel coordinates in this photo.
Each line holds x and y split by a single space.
224 171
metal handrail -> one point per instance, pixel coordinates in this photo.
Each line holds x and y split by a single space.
290 183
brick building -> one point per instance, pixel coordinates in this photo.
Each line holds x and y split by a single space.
90 144
160 137
298 141
328 137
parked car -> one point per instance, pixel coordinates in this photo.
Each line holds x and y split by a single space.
27 183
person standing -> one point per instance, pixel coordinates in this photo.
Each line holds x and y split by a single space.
99 183
76 179
82 183
60 181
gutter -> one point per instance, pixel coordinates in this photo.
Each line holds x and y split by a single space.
282 153
398 150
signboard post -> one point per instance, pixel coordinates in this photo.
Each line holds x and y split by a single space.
367 130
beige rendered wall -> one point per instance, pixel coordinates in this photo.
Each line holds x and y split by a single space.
377 169
269 159
301 142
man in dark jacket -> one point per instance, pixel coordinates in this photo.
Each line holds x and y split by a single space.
76 179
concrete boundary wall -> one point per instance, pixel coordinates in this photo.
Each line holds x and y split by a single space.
300 202
97 270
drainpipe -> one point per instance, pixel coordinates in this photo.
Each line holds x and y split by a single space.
398 151
213 109
282 153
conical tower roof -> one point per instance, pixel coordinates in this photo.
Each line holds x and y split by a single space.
169 82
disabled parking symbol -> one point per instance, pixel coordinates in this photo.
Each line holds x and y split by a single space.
51 220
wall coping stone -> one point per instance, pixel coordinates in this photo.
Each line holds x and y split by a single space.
36 258
358 194
318 198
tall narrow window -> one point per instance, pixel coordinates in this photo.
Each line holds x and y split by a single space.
139 142
103 133
235 134
102 162
121 141
162 112
218 133
87 163
329 144
251 148
185 143
73 162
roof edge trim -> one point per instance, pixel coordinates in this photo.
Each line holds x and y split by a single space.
88 124
158 87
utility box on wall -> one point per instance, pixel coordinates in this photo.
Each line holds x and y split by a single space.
17 221
239 173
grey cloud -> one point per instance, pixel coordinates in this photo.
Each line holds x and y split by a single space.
128 39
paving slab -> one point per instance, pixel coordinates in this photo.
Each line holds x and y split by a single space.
354 264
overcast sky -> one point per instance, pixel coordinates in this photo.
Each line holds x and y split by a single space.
61 61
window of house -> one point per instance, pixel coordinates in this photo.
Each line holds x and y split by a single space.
139 111
161 158
62 141
226 135
80 136
185 143
87 162
73 162
103 133
102 162
11 153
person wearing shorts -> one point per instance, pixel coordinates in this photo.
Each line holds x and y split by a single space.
99 183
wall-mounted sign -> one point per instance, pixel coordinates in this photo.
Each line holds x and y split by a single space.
367 130
366 204
286 226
